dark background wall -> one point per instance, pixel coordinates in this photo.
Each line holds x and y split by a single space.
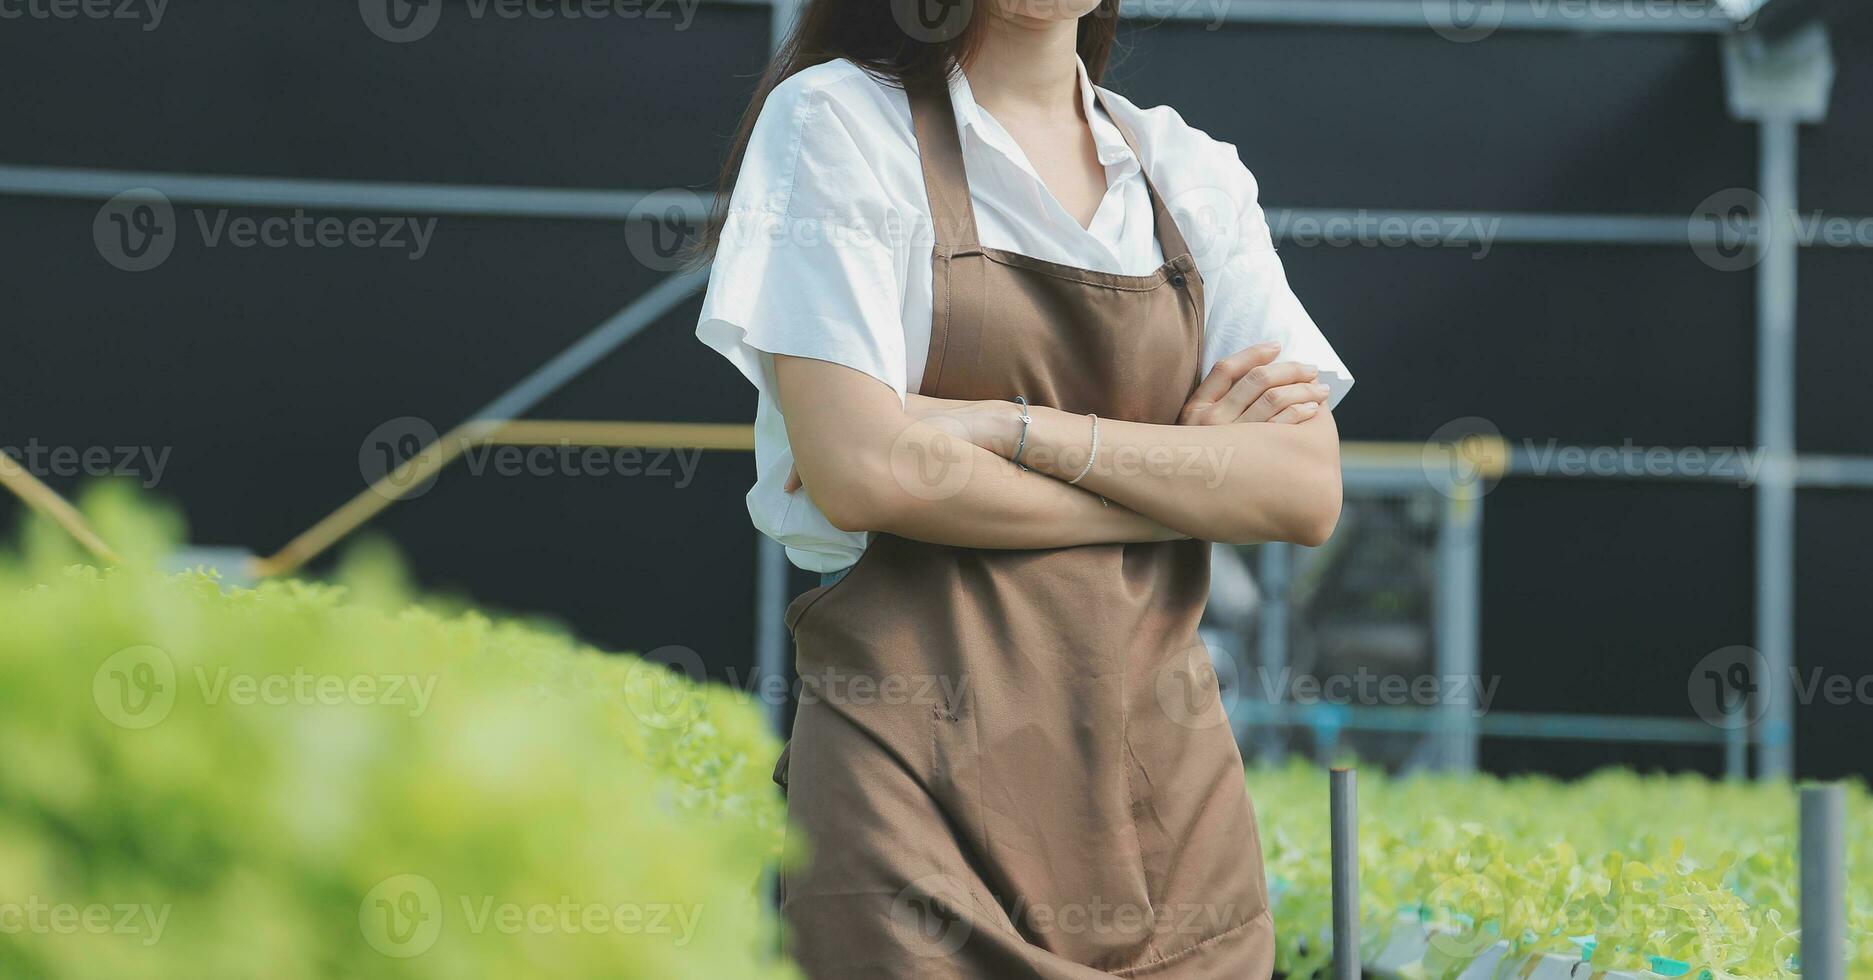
263 370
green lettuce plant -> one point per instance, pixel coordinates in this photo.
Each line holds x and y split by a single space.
1680 873
337 781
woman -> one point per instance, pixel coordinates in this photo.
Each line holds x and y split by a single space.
1016 343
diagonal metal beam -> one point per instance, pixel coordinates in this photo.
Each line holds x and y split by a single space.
589 349
519 399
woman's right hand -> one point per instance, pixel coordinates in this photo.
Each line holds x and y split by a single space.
1251 386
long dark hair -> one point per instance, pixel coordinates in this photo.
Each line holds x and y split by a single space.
880 37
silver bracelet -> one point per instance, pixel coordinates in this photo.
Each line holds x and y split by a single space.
1091 455
1026 419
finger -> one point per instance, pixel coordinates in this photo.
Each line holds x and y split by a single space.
1295 414
1258 383
1275 400
1230 370
793 480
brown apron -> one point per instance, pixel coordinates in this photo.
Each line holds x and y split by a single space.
1015 763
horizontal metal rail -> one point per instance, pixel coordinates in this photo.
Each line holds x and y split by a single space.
338 195
1376 464
1494 724
1510 15
1515 15
1367 227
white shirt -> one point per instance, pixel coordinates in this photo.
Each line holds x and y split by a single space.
826 252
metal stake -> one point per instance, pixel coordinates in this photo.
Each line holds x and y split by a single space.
1823 883
1343 801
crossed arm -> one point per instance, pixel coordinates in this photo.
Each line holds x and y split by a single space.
1255 457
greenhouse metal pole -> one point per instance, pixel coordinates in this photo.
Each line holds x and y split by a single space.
770 581
1775 433
770 656
1778 85
1343 804
1457 614
1823 883
1272 658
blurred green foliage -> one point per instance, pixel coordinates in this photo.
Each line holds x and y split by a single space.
336 781
1692 870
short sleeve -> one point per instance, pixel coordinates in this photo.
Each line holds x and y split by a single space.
1250 301
806 266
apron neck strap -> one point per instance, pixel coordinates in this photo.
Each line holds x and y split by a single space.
946 180
1170 239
